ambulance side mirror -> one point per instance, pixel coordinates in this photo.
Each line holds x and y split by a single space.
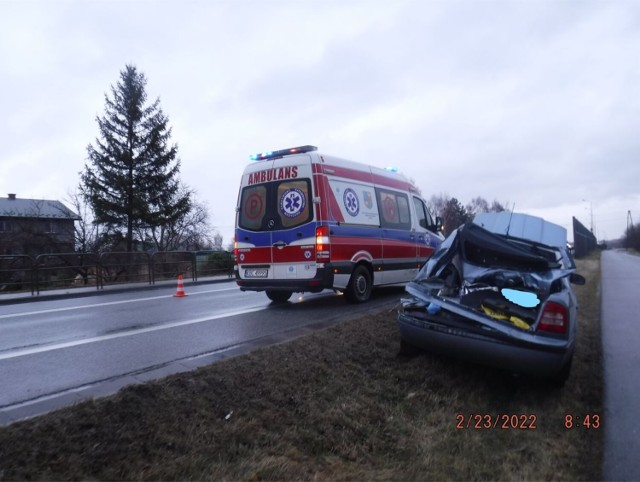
439 224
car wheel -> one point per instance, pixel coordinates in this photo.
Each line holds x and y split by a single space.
359 287
279 296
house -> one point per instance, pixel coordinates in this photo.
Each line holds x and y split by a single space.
35 226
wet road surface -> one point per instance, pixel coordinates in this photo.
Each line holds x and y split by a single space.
56 353
621 351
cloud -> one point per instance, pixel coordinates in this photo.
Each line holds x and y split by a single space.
452 93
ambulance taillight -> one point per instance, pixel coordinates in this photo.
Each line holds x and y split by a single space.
323 246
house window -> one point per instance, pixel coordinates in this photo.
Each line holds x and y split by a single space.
5 226
52 227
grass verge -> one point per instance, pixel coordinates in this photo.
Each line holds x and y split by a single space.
339 404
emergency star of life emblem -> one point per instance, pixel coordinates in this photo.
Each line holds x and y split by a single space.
351 202
292 203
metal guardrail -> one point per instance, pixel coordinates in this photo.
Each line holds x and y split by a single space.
170 264
72 270
53 271
213 263
16 273
125 267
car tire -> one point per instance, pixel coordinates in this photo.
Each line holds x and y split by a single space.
279 296
360 285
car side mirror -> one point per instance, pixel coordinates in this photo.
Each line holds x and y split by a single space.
577 279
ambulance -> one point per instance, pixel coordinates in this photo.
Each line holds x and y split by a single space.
307 221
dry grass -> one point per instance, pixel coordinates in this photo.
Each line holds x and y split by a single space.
339 404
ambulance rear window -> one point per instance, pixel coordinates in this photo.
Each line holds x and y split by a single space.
253 207
293 203
276 205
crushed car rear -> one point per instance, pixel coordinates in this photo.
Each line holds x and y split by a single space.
495 293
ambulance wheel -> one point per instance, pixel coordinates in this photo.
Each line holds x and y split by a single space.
279 296
360 285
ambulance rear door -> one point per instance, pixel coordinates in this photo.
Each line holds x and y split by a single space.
291 220
275 229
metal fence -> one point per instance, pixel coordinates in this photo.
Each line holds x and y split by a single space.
584 240
73 270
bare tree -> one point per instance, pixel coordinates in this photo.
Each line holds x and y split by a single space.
477 205
480 205
191 232
85 230
453 213
437 203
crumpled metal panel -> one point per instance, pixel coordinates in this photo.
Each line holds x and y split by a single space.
523 226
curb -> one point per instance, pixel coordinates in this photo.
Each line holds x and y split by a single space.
17 298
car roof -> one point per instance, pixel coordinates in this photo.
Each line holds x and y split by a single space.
524 226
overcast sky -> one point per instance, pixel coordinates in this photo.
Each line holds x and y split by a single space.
533 102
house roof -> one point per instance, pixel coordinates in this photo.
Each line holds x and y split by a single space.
35 208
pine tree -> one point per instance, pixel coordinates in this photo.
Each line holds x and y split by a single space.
454 215
132 182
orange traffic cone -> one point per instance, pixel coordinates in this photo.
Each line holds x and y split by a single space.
180 291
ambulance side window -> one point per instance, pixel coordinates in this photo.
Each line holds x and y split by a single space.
424 218
252 207
394 209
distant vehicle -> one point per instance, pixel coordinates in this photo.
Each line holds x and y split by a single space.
307 222
497 292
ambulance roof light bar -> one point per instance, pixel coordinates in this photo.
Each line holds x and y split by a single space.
282 152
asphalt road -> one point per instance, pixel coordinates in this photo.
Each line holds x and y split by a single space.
54 353
621 351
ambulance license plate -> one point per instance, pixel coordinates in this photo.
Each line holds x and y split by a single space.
256 273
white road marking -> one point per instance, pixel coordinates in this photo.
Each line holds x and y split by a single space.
109 303
122 334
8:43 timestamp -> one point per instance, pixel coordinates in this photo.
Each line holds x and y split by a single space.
589 421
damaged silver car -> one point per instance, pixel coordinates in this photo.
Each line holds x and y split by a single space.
497 292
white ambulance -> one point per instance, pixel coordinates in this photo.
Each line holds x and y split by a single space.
307 222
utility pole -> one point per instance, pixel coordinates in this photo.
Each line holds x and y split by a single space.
590 212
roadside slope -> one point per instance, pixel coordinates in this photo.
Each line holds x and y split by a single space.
336 404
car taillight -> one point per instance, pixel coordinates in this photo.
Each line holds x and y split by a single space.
555 318
235 248
323 248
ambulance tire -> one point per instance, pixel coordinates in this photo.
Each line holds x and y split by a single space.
360 285
279 296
